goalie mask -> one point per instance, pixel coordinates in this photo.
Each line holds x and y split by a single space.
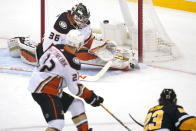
75 39
80 14
167 96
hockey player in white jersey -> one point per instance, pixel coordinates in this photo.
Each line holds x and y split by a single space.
58 68
93 51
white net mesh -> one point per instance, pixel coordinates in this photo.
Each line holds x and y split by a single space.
157 45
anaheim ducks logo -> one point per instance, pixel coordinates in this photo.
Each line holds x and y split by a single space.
63 24
76 60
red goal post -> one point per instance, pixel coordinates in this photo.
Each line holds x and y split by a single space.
42 14
140 31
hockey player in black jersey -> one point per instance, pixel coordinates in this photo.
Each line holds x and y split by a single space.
58 69
168 116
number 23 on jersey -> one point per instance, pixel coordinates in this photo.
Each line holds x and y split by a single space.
153 120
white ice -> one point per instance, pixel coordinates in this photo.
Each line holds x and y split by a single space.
124 92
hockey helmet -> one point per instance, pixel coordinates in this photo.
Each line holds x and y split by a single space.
80 15
74 38
167 96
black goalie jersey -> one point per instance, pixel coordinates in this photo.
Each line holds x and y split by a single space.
165 118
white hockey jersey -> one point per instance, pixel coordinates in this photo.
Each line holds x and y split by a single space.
57 69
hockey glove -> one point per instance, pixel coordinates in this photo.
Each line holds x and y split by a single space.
94 100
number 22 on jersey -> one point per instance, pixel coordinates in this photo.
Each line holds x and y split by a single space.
153 120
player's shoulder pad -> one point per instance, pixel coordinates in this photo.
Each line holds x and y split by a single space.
63 24
74 62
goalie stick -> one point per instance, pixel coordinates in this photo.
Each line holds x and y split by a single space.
136 121
115 117
82 77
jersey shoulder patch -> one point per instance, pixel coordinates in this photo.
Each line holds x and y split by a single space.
74 62
63 24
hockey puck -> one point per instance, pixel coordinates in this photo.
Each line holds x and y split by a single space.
106 21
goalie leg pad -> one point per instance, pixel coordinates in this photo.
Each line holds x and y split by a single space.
116 63
120 64
104 54
121 58
14 48
28 51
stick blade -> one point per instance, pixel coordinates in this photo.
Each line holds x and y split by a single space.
136 121
98 75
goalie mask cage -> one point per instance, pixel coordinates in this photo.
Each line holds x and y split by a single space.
21 19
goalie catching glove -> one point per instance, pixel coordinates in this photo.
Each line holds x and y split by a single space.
94 100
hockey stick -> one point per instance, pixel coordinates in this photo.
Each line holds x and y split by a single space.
16 69
115 117
136 121
82 77
98 75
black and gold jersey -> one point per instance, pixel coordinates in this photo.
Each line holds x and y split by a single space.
165 118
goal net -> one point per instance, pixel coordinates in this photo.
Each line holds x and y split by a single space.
156 46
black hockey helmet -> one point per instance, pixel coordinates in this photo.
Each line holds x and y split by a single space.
80 14
167 96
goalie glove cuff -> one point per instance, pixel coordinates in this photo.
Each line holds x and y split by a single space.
94 100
